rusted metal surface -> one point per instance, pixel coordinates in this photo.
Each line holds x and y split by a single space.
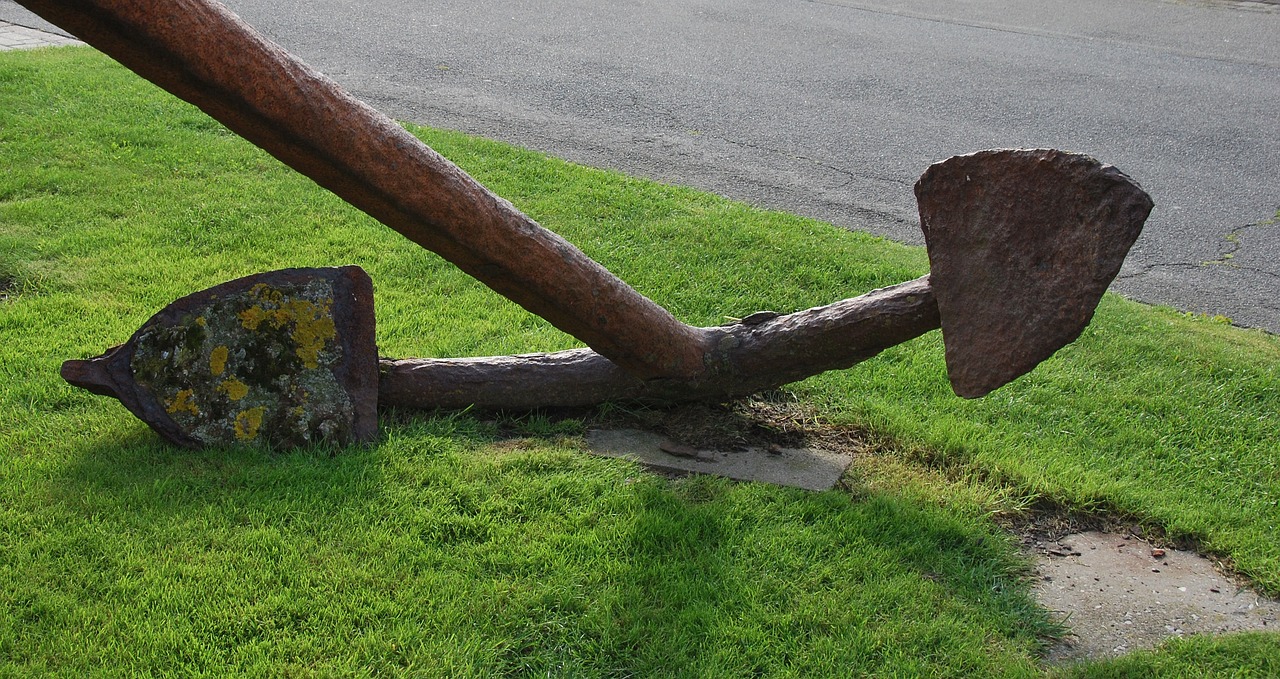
283 358
1022 245
201 52
748 358
1022 260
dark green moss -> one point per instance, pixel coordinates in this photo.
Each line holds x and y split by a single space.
269 356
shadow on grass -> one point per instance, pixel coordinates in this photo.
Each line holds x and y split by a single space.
148 476
773 574
444 551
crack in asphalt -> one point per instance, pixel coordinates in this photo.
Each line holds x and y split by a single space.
1194 266
1235 242
674 122
1148 268
677 124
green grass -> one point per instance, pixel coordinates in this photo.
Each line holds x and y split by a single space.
453 548
1256 656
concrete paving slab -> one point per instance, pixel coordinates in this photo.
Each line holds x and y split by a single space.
15 37
808 468
1120 594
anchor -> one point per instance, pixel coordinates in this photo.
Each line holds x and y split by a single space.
1022 245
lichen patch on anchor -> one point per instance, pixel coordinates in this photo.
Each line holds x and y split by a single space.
312 321
218 360
253 366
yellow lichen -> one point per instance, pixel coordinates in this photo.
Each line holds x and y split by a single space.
183 402
313 324
313 328
252 317
234 389
247 423
218 360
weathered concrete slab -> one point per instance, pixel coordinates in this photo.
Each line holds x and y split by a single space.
15 37
1120 594
807 468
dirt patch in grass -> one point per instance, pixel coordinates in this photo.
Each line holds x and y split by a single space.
1121 585
775 418
772 438
7 287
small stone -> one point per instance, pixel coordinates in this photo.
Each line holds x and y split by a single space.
1157 553
679 449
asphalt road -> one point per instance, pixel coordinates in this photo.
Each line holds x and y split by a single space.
833 109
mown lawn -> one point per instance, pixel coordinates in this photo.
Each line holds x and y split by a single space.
464 546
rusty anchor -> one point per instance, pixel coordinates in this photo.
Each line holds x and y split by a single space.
1022 245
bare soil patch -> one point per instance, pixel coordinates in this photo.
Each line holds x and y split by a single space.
774 418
